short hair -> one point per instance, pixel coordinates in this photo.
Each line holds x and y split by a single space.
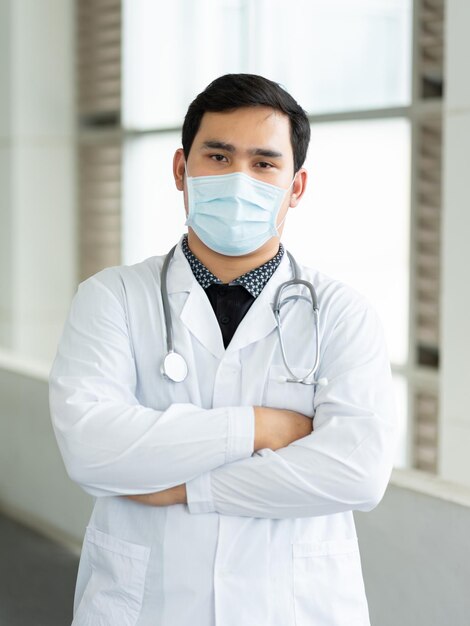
234 91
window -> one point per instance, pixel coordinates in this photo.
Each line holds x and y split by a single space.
373 202
335 55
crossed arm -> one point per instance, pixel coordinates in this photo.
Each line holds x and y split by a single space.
274 429
114 446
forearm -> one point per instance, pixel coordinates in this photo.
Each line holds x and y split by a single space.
274 429
306 479
116 448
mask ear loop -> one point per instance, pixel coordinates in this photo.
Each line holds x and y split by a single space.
188 191
280 224
284 218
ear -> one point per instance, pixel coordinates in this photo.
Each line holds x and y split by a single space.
298 187
178 169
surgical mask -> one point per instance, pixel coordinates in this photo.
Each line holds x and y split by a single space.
233 214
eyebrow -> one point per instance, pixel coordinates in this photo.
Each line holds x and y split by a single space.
228 147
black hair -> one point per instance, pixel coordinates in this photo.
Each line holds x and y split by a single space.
234 91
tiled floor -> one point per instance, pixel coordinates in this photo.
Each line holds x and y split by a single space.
37 578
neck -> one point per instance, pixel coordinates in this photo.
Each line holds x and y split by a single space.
227 268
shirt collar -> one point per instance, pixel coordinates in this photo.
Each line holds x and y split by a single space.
253 281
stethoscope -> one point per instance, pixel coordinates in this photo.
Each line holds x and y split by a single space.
174 366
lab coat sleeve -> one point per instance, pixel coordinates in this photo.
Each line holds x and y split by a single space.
111 444
344 464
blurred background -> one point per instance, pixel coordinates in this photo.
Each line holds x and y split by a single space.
93 94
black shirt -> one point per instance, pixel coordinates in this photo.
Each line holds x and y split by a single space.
231 301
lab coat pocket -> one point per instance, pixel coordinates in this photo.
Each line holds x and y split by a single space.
328 584
115 589
280 394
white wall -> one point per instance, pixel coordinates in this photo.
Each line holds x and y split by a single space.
416 557
37 189
37 252
33 484
5 175
455 330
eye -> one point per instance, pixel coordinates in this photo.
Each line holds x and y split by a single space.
220 158
264 165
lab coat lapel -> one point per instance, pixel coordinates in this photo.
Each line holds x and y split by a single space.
196 314
198 317
260 319
180 277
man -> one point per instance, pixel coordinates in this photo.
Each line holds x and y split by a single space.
225 492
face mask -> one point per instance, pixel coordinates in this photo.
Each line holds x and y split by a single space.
233 214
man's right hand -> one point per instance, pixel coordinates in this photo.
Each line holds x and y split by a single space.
277 428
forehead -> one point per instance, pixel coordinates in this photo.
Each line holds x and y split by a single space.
248 127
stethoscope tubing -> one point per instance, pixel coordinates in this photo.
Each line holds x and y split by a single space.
278 303
166 300
177 363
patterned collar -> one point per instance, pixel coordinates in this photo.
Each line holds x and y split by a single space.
253 281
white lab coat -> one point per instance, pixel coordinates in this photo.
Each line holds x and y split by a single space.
267 538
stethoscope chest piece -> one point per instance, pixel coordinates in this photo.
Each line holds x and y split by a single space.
174 367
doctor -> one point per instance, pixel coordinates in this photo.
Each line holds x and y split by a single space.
225 498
